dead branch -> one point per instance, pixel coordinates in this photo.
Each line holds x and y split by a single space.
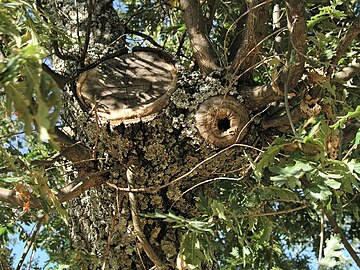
345 242
296 19
203 50
254 31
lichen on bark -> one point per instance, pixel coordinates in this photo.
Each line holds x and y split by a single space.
166 147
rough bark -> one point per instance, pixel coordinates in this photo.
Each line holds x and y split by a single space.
167 147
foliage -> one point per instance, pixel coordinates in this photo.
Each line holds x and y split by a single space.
259 220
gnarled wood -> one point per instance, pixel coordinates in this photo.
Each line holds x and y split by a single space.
128 89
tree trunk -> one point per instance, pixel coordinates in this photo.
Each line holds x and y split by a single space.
170 153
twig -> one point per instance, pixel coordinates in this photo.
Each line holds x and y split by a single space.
321 236
181 43
345 242
286 97
139 254
31 258
146 37
237 77
209 181
136 220
30 242
283 212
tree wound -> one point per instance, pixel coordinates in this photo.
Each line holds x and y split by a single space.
128 89
221 120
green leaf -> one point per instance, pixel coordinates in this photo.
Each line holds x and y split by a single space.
333 184
268 157
332 252
291 173
190 248
344 119
218 209
3 230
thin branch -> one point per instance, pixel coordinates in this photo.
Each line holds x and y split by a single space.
30 242
283 212
181 43
59 79
144 36
239 29
118 53
322 235
136 220
345 242
251 51
203 50
59 54
286 96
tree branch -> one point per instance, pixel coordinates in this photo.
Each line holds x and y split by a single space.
203 50
345 242
346 41
296 18
90 9
254 32
59 79
240 22
30 242
144 36
349 72
136 220
64 194
210 13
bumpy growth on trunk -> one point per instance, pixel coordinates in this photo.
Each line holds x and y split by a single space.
138 111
